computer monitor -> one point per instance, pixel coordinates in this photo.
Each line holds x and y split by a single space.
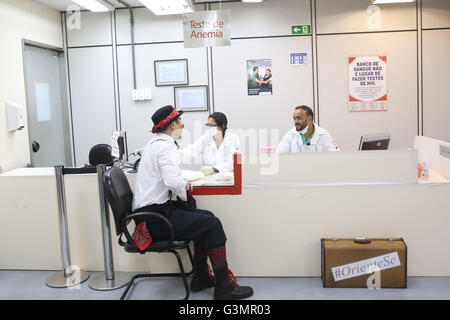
375 142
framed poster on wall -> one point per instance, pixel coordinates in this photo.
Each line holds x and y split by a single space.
367 88
191 98
259 77
171 72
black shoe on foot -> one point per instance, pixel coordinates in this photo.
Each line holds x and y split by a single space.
228 289
202 277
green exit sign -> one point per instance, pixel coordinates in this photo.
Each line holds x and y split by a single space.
301 29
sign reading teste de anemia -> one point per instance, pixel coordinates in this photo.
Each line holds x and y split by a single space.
207 29
367 83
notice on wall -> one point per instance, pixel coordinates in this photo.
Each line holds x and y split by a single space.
259 77
173 72
207 29
367 83
191 99
298 59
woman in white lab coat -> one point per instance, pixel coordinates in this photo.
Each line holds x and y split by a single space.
216 146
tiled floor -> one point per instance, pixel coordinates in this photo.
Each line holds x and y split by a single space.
30 285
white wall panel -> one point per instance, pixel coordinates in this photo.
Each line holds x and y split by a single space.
401 117
292 85
269 18
436 84
352 16
149 27
94 29
436 14
92 94
136 116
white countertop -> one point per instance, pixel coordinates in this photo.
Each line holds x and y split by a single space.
29 172
433 177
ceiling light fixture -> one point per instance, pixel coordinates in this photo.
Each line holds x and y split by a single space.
95 5
166 7
390 1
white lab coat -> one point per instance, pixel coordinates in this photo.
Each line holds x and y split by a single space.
158 174
292 141
220 158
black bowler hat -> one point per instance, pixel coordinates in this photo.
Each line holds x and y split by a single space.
163 116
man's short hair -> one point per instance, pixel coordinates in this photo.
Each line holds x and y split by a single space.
255 68
308 110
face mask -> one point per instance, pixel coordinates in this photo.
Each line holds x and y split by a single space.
212 131
304 130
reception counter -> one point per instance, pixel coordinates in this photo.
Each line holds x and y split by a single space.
286 204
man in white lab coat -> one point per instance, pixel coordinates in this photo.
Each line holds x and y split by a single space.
161 188
307 135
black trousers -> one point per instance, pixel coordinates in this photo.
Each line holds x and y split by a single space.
198 225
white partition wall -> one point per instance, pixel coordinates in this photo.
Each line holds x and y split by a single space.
269 18
435 14
263 32
94 29
148 27
346 16
291 85
400 119
436 68
92 97
136 116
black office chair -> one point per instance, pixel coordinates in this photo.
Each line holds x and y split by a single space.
101 154
119 195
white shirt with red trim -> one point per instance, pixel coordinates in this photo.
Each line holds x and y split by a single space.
158 174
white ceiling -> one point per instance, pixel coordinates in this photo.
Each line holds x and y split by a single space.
61 5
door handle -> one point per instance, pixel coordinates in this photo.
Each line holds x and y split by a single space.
35 146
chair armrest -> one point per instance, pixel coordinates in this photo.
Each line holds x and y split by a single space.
147 214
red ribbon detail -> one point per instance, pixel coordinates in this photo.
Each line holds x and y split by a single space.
163 122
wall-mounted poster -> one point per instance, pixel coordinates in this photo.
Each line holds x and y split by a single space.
259 77
367 83
171 72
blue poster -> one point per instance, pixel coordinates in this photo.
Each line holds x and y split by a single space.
298 59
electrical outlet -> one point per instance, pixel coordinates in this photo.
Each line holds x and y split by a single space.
135 95
148 94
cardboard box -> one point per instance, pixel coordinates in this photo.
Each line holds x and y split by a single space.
364 263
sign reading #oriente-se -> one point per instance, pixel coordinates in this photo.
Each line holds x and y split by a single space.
207 29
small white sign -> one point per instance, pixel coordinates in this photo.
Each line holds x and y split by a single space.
115 152
207 29
367 266
173 72
298 59
190 99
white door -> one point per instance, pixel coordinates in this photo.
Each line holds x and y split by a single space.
47 121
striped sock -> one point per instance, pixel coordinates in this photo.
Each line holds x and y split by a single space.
198 251
217 256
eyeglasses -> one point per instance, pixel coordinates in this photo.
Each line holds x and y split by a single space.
210 125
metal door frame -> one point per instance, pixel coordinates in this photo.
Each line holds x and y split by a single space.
31 43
